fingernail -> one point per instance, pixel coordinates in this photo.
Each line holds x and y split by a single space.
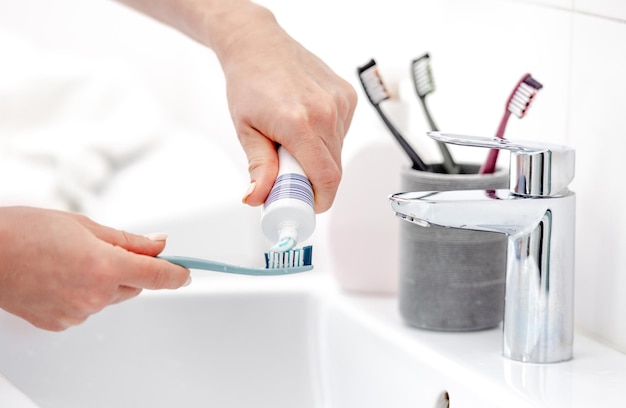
249 191
187 282
156 236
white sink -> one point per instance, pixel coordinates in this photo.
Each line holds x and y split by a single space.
219 347
229 341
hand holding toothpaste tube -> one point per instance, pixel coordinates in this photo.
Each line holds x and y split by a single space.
278 91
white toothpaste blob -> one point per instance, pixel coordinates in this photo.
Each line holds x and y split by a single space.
288 215
287 243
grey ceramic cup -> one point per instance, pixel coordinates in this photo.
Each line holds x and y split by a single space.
451 279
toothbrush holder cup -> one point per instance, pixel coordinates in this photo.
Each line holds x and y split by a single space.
451 279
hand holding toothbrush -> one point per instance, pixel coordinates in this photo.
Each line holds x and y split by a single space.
278 92
59 268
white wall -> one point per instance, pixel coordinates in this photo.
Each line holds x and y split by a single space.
479 49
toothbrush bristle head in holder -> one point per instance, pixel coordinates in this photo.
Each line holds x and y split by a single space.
424 85
423 76
523 95
372 82
376 92
517 104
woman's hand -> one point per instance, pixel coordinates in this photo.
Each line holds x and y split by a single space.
57 268
278 92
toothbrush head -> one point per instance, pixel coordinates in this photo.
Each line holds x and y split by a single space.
523 95
299 257
518 103
422 76
372 83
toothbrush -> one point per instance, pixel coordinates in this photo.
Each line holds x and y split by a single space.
424 85
518 104
376 93
276 263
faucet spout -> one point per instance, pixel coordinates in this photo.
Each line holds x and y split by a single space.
538 318
490 210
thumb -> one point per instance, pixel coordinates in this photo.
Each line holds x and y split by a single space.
262 166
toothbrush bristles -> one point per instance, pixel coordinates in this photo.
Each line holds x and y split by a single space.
523 96
532 82
376 92
423 76
372 82
289 259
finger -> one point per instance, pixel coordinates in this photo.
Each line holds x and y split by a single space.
322 133
59 319
318 150
125 293
325 175
262 165
147 272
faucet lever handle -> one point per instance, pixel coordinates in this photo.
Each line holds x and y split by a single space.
536 169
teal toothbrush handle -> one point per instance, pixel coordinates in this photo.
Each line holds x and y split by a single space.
208 265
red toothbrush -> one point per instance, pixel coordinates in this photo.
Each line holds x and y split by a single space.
518 103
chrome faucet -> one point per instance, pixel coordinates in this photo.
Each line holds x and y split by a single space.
537 213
